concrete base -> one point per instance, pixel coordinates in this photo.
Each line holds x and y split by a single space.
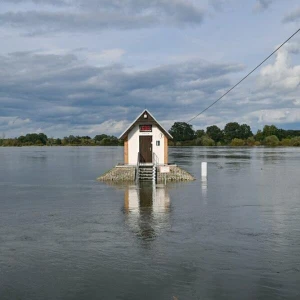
176 174
120 173
126 173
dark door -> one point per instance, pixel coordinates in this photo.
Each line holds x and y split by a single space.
146 149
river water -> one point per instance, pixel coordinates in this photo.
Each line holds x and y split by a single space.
63 235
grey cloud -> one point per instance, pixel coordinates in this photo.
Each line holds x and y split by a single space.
61 89
64 92
39 2
209 86
263 4
37 22
169 7
98 15
218 5
293 16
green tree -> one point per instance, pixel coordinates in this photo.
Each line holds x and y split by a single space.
207 141
33 139
250 141
22 139
71 140
232 130
43 138
285 142
215 133
259 136
114 141
295 141
292 133
100 137
200 133
237 142
198 141
271 140
182 131
269 130
245 131
281 134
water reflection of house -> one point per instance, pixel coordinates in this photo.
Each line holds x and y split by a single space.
147 209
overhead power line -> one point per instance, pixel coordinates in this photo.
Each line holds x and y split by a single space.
243 78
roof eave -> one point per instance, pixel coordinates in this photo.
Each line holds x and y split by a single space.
125 133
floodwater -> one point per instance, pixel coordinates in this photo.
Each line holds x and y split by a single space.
63 235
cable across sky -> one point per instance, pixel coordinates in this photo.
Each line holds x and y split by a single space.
243 78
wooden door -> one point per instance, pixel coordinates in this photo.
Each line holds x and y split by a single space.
146 149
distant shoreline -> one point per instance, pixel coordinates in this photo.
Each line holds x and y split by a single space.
233 135
171 146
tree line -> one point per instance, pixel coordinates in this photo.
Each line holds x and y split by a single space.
233 134
41 139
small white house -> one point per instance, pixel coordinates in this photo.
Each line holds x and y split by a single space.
145 140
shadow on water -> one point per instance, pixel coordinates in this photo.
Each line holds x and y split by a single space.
146 208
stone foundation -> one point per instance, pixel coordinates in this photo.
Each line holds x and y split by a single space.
119 174
126 173
175 174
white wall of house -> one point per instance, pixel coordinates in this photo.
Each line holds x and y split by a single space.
133 143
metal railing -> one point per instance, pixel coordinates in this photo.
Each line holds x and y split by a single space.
155 161
137 169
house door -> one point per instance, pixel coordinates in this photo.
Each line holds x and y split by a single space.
146 149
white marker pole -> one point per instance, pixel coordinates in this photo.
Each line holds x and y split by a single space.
204 169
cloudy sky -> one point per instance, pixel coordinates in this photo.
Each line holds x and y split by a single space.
87 67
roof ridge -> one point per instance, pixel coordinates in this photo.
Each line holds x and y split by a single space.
132 124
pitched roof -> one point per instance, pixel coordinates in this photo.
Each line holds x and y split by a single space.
141 119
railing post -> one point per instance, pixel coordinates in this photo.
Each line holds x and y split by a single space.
155 162
137 169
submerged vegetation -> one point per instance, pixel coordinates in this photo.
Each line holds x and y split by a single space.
233 134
